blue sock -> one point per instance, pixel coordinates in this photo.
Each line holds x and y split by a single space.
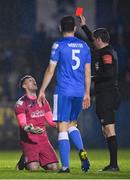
75 136
64 149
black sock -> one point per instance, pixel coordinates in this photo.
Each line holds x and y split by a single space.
112 146
21 162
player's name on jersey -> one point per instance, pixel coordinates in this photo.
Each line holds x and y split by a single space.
75 45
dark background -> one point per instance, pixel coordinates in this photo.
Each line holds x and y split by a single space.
25 49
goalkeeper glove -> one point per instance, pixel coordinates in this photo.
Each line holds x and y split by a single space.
30 128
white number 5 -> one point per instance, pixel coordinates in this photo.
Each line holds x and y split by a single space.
75 58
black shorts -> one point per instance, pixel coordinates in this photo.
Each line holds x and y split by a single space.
106 104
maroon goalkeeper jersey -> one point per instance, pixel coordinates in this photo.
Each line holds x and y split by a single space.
34 115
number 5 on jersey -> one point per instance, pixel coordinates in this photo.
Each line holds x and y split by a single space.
75 58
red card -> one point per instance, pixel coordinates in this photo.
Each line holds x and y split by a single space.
79 11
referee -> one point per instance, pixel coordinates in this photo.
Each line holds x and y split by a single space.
106 87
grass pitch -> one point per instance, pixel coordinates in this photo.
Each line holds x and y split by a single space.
98 159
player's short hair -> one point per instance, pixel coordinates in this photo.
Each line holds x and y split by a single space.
102 33
22 80
67 24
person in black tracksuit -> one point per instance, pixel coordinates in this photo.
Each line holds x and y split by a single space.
106 87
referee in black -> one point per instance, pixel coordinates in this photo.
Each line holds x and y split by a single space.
106 87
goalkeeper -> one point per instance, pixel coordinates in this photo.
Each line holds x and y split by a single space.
36 148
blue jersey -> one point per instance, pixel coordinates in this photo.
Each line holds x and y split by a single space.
71 54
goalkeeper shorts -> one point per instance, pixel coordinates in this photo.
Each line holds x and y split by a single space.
41 152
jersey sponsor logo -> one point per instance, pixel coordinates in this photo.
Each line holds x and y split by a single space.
107 59
37 114
55 46
75 45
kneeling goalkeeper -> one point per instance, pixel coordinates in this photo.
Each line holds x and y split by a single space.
32 118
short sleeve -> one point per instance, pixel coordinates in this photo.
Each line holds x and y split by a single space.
88 54
55 52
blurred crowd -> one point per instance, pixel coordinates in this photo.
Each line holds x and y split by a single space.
120 42
30 55
20 56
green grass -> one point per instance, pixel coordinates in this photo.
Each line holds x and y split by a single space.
98 159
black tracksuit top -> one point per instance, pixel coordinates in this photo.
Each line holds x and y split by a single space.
105 66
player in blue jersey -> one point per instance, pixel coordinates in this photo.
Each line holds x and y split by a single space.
72 58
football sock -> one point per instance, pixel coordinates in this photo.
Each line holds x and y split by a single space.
75 136
64 149
21 163
112 146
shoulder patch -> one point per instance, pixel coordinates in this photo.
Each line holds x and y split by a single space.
107 59
55 46
19 102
